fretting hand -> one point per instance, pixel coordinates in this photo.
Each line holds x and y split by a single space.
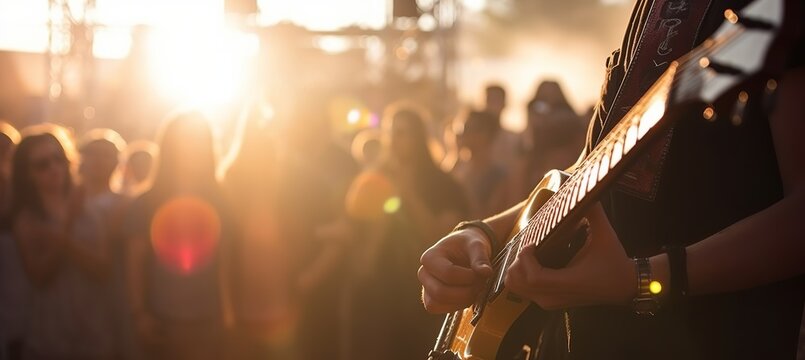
601 272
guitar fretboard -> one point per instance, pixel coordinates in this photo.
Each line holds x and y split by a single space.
603 164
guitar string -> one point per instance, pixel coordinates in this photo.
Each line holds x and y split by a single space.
686 64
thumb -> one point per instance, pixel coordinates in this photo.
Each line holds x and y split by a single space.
478 255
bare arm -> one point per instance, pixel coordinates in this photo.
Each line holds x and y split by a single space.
767 246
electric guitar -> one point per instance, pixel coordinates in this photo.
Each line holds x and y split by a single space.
749 43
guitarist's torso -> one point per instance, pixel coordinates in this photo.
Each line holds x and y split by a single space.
714 174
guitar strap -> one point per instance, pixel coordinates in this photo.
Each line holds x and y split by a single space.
667 32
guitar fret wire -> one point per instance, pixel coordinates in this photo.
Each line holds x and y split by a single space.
617 135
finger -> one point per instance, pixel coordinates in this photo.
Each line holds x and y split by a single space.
580 242
434 307
478 254
534 274
445 295
440 266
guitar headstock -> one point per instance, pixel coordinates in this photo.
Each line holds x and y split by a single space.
747 43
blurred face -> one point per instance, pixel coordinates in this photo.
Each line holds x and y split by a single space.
495 102
402 141
139 165
98 161
48 167
476 141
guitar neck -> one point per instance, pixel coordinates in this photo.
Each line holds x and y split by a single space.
609 159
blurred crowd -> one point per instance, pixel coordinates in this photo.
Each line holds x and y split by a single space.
287 246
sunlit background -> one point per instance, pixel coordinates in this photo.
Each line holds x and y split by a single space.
195 52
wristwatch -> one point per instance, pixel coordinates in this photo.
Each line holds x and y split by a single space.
648 290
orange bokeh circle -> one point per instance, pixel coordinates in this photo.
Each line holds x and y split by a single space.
185 232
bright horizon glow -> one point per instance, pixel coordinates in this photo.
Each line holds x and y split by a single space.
23 24
201 67
325 15
474 5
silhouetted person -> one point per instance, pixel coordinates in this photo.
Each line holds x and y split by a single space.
505 145
64 252
9 137
553 135
484 180
100 156
316 174
178 233
494 100
417 201
137 167
264 299
14 288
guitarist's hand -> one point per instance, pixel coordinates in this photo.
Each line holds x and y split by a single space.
601 272
455 270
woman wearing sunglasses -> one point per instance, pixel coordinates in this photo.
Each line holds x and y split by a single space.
63 252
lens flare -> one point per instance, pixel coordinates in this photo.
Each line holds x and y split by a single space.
392 205
370 196
349 115
185 233
655 287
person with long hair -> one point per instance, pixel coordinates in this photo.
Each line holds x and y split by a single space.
177 233
553 135
422 202
9 138
14 287
263 301
64 251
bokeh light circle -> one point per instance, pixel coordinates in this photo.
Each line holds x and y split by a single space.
185 233
372 196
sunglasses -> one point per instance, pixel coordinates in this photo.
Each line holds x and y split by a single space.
45 163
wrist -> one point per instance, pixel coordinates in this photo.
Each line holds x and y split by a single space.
484 230
650 288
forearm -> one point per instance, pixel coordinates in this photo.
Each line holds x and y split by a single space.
758 250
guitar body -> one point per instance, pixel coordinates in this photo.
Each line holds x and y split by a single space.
491 335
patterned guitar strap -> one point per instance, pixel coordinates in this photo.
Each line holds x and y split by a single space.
667 32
